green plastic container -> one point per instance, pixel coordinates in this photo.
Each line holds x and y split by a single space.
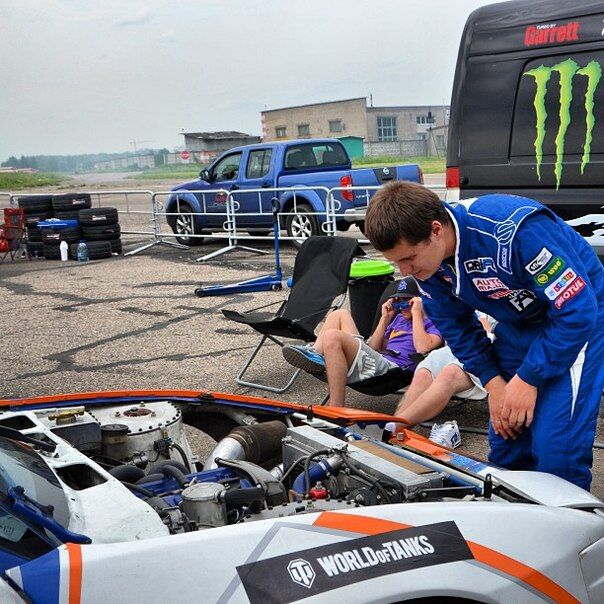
368 280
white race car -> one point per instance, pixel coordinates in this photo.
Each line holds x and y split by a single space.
103 500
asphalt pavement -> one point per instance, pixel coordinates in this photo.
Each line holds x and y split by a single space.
134 323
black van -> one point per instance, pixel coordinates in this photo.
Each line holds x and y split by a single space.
527 110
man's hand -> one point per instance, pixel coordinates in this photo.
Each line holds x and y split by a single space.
518 404
496 388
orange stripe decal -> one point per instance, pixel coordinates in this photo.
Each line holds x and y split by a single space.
357 524
526 574
75 572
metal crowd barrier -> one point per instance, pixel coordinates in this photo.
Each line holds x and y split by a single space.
142 213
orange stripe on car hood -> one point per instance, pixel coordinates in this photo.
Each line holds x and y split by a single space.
75 572
374 526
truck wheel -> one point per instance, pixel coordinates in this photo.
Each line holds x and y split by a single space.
184 225
302 225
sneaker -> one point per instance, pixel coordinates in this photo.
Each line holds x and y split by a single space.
305 357
446 435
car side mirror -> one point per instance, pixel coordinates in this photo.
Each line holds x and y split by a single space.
205 175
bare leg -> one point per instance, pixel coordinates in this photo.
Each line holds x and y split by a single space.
339 350
340 319
451 380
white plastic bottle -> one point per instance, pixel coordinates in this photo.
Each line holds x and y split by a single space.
64 250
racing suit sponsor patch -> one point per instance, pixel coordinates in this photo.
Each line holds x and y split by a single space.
488 284
560 284
500 294
521 299
317 570
552 269
479 265
569 292
539 261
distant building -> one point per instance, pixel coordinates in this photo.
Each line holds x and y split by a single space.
206 145
397 130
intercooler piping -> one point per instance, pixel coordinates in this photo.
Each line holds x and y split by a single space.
257 443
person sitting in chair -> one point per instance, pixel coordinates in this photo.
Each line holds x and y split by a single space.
438 378
402 331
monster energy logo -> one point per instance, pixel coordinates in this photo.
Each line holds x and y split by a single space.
567 70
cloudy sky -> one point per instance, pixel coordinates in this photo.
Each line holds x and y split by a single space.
86 76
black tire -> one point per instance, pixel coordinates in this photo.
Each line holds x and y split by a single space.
31 220
31 204
98 216
69 215
184 225
302 225
34 234
342 226
70 202
361 226
51 252
103 232
55 236
116 246
96 250
35 249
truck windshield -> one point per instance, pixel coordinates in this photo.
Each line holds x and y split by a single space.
319 155
21 466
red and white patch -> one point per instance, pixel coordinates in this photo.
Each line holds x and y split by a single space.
570 292
488 284
501 294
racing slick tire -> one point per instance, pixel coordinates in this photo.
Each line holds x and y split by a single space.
31 220
302 224
69 202
34 234
51 252
183 225
55 236
97 216
101 232
35 249
97 250
68 215
31 204
116 246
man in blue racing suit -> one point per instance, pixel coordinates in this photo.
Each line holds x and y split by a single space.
515 260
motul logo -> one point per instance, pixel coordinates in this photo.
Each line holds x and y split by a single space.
570 292
536 35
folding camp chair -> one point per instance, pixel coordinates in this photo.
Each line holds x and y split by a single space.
321 273
394 379
11 233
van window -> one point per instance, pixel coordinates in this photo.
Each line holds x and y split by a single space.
559 114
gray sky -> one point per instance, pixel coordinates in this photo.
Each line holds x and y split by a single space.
86 76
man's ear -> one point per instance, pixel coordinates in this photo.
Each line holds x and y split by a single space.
437 228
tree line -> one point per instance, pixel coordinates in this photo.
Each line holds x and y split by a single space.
71 163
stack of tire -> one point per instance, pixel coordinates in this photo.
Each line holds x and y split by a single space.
65 207
101 231
35 208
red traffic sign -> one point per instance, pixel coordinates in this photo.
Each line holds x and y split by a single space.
185 155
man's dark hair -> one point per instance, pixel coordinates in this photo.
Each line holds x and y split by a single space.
403 210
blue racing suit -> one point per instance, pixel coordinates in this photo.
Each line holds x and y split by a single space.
518 262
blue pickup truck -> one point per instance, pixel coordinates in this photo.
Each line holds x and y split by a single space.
306 167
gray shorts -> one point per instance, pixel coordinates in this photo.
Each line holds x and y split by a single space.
367 363
438 359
